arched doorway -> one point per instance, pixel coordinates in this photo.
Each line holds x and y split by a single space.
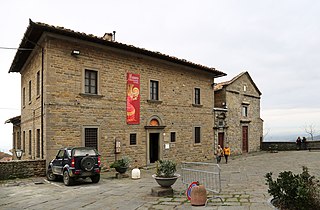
154 129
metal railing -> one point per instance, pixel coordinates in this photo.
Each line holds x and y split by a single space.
207 174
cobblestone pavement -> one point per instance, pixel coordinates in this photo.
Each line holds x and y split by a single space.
243 186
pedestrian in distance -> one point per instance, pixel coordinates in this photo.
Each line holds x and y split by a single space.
304 143
219 154
298 142
226 152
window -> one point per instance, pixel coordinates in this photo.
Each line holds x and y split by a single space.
91 82
14 140
24 96
91 137
38 143
60 154
24 140
30 139
30 91
197 96
154 90
221 123
38 83
173 136
133 138
197 135
154 122
18 140
82 152
244 111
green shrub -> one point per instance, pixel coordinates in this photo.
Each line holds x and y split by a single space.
294 191
123 162
165 168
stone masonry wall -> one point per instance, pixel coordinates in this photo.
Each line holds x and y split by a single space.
30 110
22 169
286 146
68 110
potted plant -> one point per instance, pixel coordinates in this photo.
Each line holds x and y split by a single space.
121 165
294 191
165 173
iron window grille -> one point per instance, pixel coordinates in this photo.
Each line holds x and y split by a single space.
91 137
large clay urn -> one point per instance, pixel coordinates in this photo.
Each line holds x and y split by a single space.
198 195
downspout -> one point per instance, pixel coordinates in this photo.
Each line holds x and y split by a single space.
42 70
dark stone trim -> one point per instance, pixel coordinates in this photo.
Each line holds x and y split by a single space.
245 121
154 101
91 95
154 127
197 105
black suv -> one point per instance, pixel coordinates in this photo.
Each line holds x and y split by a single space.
72 163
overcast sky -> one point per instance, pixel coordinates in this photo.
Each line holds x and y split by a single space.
277 42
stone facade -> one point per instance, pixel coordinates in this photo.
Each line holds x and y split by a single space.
68 111
237 114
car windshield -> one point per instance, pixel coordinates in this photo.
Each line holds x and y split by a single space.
84 152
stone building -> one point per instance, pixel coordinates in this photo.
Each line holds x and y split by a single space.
237 114
84 90
16 136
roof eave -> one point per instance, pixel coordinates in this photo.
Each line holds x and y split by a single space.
35 30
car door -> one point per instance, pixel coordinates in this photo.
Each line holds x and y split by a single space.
57 164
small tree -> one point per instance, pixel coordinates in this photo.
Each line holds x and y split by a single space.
311 130
265 133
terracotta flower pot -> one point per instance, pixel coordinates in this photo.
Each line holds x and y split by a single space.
198 196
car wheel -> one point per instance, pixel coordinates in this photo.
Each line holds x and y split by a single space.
87 163
67 180
95 178
50 175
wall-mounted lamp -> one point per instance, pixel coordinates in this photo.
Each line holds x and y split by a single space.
19 153
75 52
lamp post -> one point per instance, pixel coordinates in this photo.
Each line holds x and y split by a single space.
18 153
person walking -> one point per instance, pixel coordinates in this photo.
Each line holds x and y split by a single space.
219 154
298 142
226 152
304 143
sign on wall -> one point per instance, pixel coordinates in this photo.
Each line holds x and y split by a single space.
133 98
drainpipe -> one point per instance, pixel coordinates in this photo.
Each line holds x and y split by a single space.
42 67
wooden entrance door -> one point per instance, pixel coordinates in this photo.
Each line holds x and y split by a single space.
221 139
244 138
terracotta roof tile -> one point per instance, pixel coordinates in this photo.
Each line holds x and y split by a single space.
37 28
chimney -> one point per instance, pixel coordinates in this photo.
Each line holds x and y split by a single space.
108 37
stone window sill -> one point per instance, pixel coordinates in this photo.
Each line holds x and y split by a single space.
91 95
197 105
154 101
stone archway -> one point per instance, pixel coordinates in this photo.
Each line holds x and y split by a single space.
154 142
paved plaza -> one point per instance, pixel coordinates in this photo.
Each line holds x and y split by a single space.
243 187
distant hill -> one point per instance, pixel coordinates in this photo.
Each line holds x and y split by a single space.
289 138
315 138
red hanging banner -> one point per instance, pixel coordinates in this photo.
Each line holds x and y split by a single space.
133 99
